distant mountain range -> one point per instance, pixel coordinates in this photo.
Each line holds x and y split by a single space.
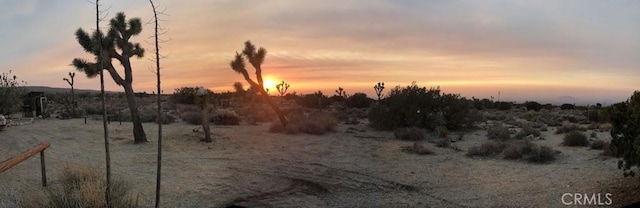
53 90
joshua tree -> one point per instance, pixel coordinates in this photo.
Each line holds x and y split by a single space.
70 82
239 88
319 95
282 88
341 93
201 99
256 58
379 88
115 45
10 93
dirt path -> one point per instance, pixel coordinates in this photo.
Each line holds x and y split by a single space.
248 166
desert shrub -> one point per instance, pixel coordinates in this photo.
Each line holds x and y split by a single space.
192 117
625 131
498 132
415 106
225 117
597 144
512 152
526 131
567 106
166 119
409 134
541 154
417 148
504 106
442 132
316 100
608 150
593 134
443 142
569 127
486 149
316 124
532 105
358 100
184 95
575 138
85 187
11 92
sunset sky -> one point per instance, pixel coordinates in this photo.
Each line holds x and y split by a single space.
548 51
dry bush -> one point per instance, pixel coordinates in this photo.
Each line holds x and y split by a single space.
443 142
526 131
575 138
498 132
486 149
83 186
597 144
608 150
409 134
541 154
567 126
316 124
225 117
193 118
417 149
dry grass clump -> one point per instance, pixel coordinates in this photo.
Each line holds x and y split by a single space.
409 134
575 138
315 124
541 154
529 151
526 131
569 127
417 148
83 186
498 132
490 148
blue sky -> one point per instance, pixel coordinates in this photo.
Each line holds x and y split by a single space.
527 50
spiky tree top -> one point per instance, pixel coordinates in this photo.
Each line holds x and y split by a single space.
115 45
255 58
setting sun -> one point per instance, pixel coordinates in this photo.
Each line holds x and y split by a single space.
270 84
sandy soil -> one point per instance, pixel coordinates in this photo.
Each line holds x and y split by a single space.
248 166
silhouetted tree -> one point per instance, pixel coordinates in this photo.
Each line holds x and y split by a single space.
117 38
10 93
70 82
379 88
282 88
239 88
255 58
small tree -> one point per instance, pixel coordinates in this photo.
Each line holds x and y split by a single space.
626 133
10 93
379 88
256 58
282 88
73 95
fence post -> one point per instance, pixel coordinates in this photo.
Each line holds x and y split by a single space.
44 170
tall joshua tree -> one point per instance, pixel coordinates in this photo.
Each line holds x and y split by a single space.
379 88
115 45
256 58
70 82
282 88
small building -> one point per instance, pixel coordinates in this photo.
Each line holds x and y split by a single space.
35 104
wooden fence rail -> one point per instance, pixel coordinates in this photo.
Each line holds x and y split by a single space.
8 164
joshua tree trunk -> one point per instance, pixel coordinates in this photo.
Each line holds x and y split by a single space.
275 108
138 132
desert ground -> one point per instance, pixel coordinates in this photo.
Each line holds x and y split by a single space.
354 166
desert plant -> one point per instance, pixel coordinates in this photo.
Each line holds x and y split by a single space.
625 131
358 100
82 186
192 117
409 134
489 148
11 91
104 48
341 93
541 154
379 88
567 126
70 81
256 58
225 117
597 144
184 95
532 105
201 100
498 132
593 134
417 148
282 88
526 131
443 142
316 100
316 124
575 138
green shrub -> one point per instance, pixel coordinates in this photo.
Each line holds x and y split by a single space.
490 148
498 132
575 139
409 134
625 131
